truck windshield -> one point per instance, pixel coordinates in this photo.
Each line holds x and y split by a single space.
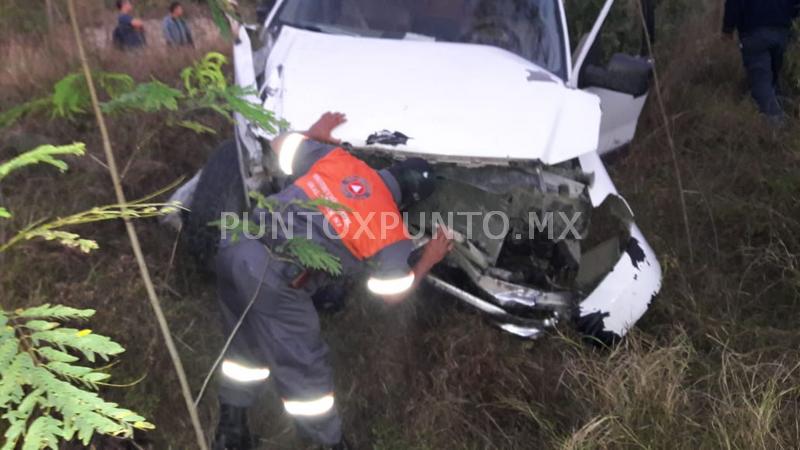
529 28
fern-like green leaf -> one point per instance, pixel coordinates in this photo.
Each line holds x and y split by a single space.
80 374
147 97
84 412
218 16
70 96
115 84
66 239
54 355
11 116
43 433
41 325
71 93
56 312
43 383
4 213
262 202
43 154
253 112
205 75
89 344
15 377
9 346
197 127
313 256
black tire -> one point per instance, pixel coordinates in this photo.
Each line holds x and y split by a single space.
219 190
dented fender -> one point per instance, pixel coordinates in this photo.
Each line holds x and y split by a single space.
624 295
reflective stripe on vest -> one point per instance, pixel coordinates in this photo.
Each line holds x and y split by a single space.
370 220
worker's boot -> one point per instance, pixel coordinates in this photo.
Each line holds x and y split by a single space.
232 432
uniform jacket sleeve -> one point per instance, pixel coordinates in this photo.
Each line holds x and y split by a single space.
733 14
393 261
308 154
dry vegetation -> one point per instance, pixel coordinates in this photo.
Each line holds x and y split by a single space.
714 364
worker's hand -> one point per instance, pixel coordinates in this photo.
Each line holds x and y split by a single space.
439 246
322 129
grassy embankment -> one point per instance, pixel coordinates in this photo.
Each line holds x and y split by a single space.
712 365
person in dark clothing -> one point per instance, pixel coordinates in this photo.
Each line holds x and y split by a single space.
129 33
176 30
764 28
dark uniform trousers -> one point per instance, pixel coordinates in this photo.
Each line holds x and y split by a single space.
281 333
762 52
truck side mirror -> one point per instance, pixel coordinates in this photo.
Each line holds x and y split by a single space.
624 73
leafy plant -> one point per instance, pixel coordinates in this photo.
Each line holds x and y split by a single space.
70 97
220 11
44 154
300 250
312 255
71 94
53 230
204 88
47 392
147 97
207 88
48 377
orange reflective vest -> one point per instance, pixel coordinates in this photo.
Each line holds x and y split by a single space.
368 219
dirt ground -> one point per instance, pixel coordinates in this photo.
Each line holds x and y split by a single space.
713 364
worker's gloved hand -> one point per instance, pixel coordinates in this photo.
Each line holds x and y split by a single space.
322 130
232 432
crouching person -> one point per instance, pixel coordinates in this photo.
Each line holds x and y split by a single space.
280 336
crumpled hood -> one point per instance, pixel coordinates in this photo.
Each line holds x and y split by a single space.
451 100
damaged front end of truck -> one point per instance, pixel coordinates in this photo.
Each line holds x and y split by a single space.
533 250
514 128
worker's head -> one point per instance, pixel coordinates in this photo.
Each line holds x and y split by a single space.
176 9
416 180
124 6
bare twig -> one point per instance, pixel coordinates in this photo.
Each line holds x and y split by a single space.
134 238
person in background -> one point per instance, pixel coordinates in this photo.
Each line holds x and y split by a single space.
764 28
129 33
176 30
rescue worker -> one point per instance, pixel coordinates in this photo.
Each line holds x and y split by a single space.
764 27
280 336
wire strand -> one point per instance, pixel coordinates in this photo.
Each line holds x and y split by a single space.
228 342
670 138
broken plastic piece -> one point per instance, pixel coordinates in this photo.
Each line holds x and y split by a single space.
387 137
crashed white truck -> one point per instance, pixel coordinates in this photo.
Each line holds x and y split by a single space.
490 93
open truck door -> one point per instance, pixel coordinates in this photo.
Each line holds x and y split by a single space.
607 65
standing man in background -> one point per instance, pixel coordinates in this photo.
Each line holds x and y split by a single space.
764 28
176 30
129 33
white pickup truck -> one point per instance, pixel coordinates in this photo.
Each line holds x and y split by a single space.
515 121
